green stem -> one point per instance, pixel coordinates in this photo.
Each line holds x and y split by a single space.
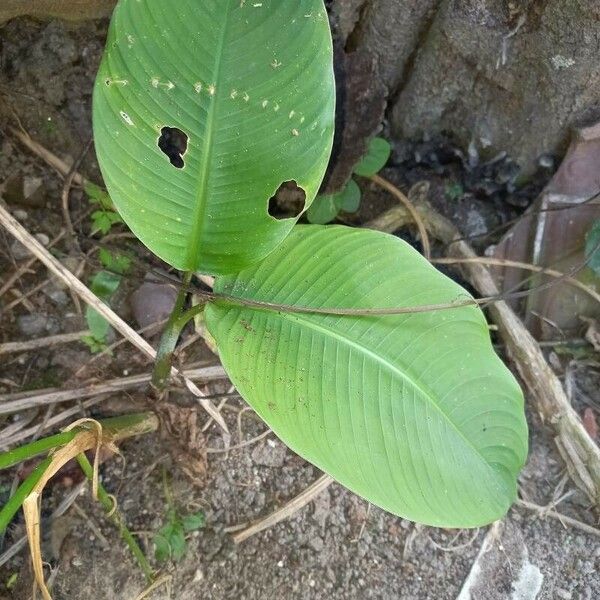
177 321
10 509
107 504
116 428
23 453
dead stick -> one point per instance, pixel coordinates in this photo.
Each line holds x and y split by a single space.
53 340
9 404
59 165
21 234
285 511
579 451
501 262
545 511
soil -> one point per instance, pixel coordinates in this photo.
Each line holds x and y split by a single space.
336 547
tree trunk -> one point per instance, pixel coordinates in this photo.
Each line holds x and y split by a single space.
504 75
511 76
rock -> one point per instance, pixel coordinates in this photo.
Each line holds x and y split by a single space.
20 252
24 190
322 507
153 302
269 454
316 543
37 325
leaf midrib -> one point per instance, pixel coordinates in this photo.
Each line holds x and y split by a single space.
194 250
380 359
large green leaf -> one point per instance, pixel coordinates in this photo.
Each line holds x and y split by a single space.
251 85
414 412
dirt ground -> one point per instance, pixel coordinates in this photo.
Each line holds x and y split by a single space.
337 546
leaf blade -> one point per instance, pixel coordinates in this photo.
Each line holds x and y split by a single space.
251 87
377 403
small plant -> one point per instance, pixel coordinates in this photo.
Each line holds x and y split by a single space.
454 191
327 207
106 282
201 113
335 336
169 541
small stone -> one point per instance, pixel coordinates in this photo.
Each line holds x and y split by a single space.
317 544
198 576
59 297
76 562
563 594
268 455
153 302
20 215
20 252
32 325
36 325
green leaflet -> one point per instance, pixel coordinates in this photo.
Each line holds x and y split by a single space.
251 87
326 207
377 155
414 412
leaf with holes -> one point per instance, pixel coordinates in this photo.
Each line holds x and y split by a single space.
414 412
202 111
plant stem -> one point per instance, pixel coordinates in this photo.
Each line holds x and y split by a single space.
115 429
10 509
177 321
167 489
27 451
108 505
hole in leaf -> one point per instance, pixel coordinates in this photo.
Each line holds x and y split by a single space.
288 201
173 142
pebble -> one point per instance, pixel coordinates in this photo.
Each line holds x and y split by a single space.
270 454
563 594
20 215
20 252
33 325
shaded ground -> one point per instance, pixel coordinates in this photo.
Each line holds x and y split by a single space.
334 548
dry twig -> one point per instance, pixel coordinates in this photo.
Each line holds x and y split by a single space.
59 165
285 511
53 340
548 511
13 403
408 205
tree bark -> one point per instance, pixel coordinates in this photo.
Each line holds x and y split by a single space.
510 76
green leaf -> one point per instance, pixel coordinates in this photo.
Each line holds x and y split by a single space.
103 220
592 247
115 262
351 196
454 191
194 521
414 412
99 196
162 548
169 541
103 285
251 86
377 156
326 207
